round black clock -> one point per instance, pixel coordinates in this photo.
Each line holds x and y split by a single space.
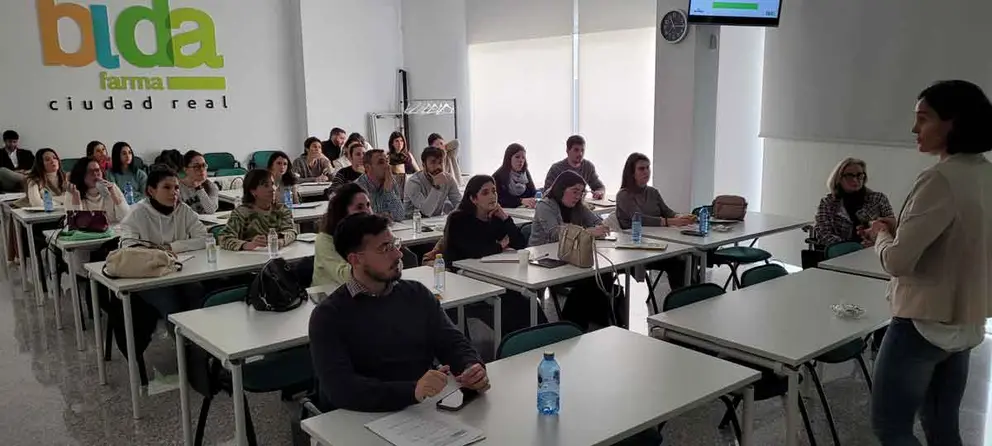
674 26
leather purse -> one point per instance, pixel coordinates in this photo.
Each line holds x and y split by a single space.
141 261
576 246
87 221
729 207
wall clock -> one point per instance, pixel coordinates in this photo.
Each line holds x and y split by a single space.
674 26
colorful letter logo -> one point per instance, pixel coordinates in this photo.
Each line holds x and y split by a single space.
94 25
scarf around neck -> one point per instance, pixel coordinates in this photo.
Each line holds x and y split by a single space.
518 183
162 209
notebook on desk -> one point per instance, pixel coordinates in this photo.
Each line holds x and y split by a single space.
409 428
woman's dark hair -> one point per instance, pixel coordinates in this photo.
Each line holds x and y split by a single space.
189 156
308 142
337 209
253 179
91 147
433 137
564 181
353 138
503 173
77 176
967 106
393 137
37 173
116 165
627 180
288 178
156 174
472 188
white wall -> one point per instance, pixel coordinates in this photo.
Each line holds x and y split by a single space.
352 50
255 38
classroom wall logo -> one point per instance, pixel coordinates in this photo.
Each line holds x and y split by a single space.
184 39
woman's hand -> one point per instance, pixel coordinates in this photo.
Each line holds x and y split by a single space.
113 196
505 243
74 193
322 179
529 202
599 231
498 213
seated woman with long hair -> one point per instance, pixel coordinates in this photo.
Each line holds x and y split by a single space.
248 226
97 151
401 161
283 177
478 228
329 268
312 166
88 191
514 184
195 189
45 175
123 171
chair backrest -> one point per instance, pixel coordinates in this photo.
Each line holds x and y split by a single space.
526 229
690 295
68 163
538 336
230 172
762 273
260 159
236 294
839 249
219 160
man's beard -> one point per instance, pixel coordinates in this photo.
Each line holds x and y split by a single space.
388 276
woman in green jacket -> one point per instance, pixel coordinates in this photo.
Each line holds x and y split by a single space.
329 268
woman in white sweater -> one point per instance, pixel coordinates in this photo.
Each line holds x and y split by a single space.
163 220
46 174
88 191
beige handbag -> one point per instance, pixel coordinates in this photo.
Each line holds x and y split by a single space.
729 207
140 262
576 246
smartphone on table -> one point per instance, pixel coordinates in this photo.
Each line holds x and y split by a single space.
457 399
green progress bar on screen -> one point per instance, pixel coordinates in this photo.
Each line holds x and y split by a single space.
196 83
735 5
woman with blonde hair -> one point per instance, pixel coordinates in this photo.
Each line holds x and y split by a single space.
849 207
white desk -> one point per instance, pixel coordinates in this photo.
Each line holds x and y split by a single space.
306 190
309 213
28 220
755 225
861 263
780 324
520 214
234 332
196 269
615 384
528 279
608 202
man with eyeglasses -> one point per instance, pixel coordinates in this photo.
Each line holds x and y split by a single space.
374 340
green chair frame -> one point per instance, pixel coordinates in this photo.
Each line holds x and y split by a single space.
535 337
762 273
842 248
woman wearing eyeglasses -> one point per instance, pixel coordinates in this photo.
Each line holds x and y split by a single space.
195 190
849 207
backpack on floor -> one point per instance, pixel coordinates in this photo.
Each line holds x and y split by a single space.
276 288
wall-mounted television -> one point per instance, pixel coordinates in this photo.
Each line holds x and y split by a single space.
735 12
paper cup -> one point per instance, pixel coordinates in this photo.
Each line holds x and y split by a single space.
523 256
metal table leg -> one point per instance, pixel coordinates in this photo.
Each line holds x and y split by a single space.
238 395
688 269
498 322
183 388
56 289
747 421
3 241
77 305
792 410
20 256
98 332
702 265
35 264
132 357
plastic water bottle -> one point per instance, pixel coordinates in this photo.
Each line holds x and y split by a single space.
417 217
47 198
129 193
704 220
635 228
211 244
548 383
287 197
537 195
273 245
439 274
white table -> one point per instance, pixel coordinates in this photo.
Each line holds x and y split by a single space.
234 332
28 220
529 279
5 201
68 247
615 384
861 263
520 214
306 190
608 202
309 213
196 269
754 226
780 324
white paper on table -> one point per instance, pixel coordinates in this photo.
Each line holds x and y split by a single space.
503 257
409 428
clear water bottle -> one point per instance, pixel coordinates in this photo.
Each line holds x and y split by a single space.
548 383
129 193
273 245
704 220
287 197
211 245
439 274
537 195
417 221
47 198
635 228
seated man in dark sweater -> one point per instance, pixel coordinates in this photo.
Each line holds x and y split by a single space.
374 340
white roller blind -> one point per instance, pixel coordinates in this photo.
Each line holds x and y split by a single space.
502 20
850 70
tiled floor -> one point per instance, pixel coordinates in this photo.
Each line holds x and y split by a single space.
52 395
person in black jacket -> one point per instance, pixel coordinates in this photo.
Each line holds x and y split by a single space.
374 340
334 146
513 181
14 163
478 228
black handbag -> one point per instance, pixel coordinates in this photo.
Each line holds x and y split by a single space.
276 288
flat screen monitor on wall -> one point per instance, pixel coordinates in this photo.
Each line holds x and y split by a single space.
735 12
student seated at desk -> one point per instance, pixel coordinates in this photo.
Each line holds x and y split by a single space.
374 340
283 177
563 205
431 191
329 268
401 161
636 197
45 175
514 183
333 148
14 163
165 221
248 226
480 228
575 149
195 189
312 166
88 191
347 174
123 171
97 151
378 181
849 207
